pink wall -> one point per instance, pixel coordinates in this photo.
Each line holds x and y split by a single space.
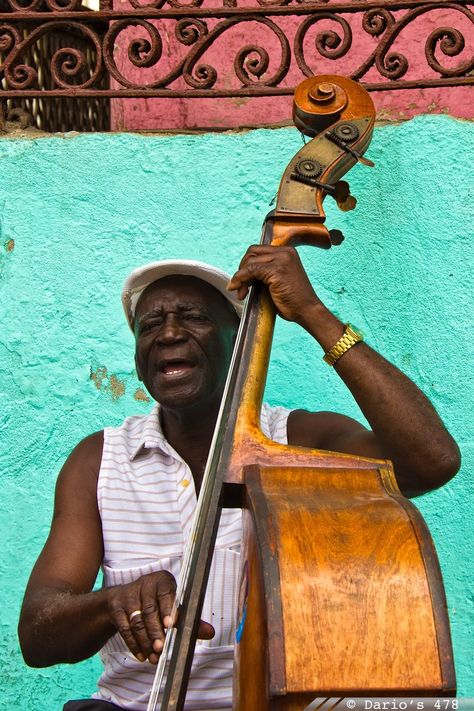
189 113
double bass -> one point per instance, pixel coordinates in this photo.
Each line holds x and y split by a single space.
340 589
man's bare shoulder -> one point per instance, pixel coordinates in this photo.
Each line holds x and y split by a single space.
88 451
91 446
80 471
331 431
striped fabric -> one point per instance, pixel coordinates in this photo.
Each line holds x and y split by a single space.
147 501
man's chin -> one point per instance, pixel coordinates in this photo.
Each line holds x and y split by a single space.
180 390
178 399
198 402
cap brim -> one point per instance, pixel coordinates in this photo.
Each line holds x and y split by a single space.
141 278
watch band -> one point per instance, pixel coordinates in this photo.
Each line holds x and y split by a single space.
348 339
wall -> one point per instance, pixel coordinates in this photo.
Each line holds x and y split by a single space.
221 46
78 212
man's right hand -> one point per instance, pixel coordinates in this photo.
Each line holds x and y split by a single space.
141 611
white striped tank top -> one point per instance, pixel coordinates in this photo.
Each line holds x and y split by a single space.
147 500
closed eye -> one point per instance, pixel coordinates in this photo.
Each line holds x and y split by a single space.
197 318
148 325
192 312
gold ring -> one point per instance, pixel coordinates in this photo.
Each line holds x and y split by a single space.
135 613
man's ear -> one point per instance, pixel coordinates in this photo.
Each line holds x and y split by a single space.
139 375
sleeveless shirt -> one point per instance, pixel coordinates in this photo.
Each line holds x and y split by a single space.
147 499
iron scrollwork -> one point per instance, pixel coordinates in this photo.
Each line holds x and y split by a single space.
297 38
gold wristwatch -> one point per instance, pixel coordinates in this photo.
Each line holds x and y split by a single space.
348 339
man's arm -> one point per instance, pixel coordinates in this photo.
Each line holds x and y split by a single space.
61 619
405 426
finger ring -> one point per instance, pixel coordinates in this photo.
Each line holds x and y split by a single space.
135 613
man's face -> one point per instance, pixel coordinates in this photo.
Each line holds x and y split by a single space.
184 331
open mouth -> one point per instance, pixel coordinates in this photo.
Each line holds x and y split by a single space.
175 368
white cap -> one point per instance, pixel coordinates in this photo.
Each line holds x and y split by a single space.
140 278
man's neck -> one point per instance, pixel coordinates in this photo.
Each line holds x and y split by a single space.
190 433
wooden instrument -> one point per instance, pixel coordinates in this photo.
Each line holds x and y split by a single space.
341 592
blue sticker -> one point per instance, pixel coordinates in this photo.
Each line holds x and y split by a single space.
243 598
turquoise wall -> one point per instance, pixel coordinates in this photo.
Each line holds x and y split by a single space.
78 212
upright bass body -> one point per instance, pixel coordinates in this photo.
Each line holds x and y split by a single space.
340 591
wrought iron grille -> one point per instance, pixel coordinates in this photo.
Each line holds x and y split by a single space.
167 48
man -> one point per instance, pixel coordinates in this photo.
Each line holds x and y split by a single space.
126 496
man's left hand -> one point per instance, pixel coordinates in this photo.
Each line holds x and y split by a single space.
281 270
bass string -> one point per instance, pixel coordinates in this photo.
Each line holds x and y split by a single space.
200 514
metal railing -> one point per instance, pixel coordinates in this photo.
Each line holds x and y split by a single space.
57 49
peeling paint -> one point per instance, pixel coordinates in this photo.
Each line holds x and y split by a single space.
240 101
10 245
98 376
116 387
141 396
110 384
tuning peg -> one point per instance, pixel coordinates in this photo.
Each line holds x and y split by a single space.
336 237
345 201
362 159
348 204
